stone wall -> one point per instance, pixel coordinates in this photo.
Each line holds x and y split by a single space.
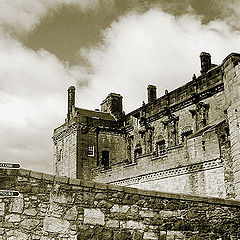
54 207
65 150
232 96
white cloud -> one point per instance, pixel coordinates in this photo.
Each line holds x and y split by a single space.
33 93
152 48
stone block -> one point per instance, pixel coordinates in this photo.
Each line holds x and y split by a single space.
147 214
74 181
93 216
112 224
115 187
30 212
2 208
100 196
16 205
37 175
13 218
102 186
150 235
61 179
87 184
132 225
48 177
71 214
29 224
119 209
55 225
24 172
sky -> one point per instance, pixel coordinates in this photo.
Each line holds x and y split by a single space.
99 46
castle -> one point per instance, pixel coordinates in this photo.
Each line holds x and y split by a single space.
186 141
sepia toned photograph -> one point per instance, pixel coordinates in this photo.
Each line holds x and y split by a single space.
120 120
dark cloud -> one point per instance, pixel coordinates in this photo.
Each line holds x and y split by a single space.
68 28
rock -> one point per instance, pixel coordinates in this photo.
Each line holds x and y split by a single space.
30 212
132 225
147 214
100 196
13 218
119 209
150 235
93 216
29 224
52 224
16 205
71 214
104 204
112 224
2 208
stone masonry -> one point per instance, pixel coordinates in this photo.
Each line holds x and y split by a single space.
55 207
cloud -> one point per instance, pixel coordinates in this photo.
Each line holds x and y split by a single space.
32 103
22 16
152 48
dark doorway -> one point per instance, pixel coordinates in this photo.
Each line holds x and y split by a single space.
105 159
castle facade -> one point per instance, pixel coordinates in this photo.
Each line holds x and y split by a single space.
186 141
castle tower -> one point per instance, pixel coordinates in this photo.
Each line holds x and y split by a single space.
231 73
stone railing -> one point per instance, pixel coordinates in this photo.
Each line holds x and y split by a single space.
54 207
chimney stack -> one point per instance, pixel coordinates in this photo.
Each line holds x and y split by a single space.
152 93
113 104
205 62
71 100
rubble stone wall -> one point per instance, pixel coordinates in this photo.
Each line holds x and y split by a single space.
54 207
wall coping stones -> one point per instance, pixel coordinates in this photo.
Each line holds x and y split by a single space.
72 181
24 172
37 175
61 179
48 177
99 185
116 188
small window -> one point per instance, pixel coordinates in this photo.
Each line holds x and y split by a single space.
105 159
60 156
91 151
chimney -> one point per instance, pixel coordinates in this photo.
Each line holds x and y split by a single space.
71 100
205 62
113 104
152 93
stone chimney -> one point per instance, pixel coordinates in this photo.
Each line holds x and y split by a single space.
152 93
71 100
113 104
205 62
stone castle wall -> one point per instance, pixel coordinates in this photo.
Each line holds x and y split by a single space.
54 207
65 151
192 165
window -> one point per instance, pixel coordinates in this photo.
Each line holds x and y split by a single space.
105 159
60 155
161 148
91 151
